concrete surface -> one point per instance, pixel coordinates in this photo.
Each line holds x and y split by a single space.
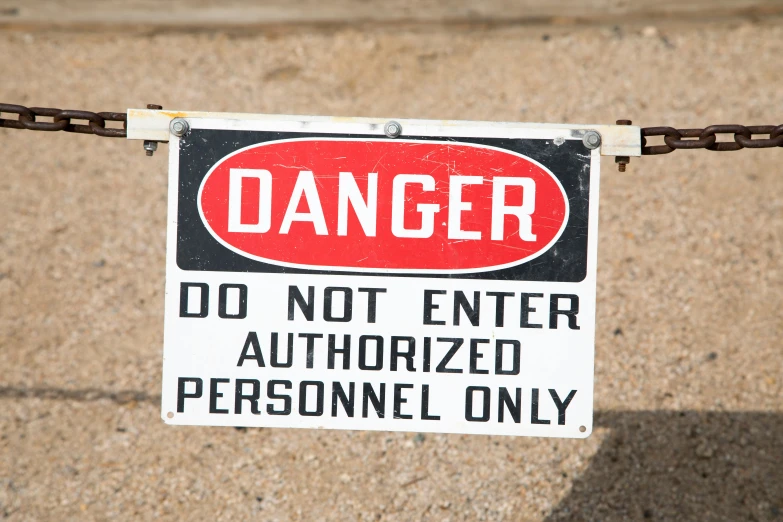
689 369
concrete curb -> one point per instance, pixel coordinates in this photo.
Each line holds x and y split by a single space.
254 16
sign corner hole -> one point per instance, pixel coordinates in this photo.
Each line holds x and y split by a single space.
170 415
582 429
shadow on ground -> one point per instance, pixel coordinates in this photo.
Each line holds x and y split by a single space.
652 465
78 395
664 465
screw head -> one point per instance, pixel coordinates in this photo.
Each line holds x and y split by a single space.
591 140
179 127
392 129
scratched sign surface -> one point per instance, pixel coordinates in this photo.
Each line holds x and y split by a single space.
321 274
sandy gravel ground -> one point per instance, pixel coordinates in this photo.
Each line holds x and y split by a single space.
689 372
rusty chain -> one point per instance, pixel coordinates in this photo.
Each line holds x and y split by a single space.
62 120
674 139
706 138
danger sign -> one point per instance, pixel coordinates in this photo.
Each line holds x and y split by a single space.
323 274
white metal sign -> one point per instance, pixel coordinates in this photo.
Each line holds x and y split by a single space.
370 275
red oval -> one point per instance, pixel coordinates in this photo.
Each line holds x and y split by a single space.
302 245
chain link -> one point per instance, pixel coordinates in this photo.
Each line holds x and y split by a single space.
707 139
62 120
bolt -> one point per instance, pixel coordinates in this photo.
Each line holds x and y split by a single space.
150 147
392 129
591 140
622 161
179 127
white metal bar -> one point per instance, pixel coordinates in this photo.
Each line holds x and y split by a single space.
153 125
